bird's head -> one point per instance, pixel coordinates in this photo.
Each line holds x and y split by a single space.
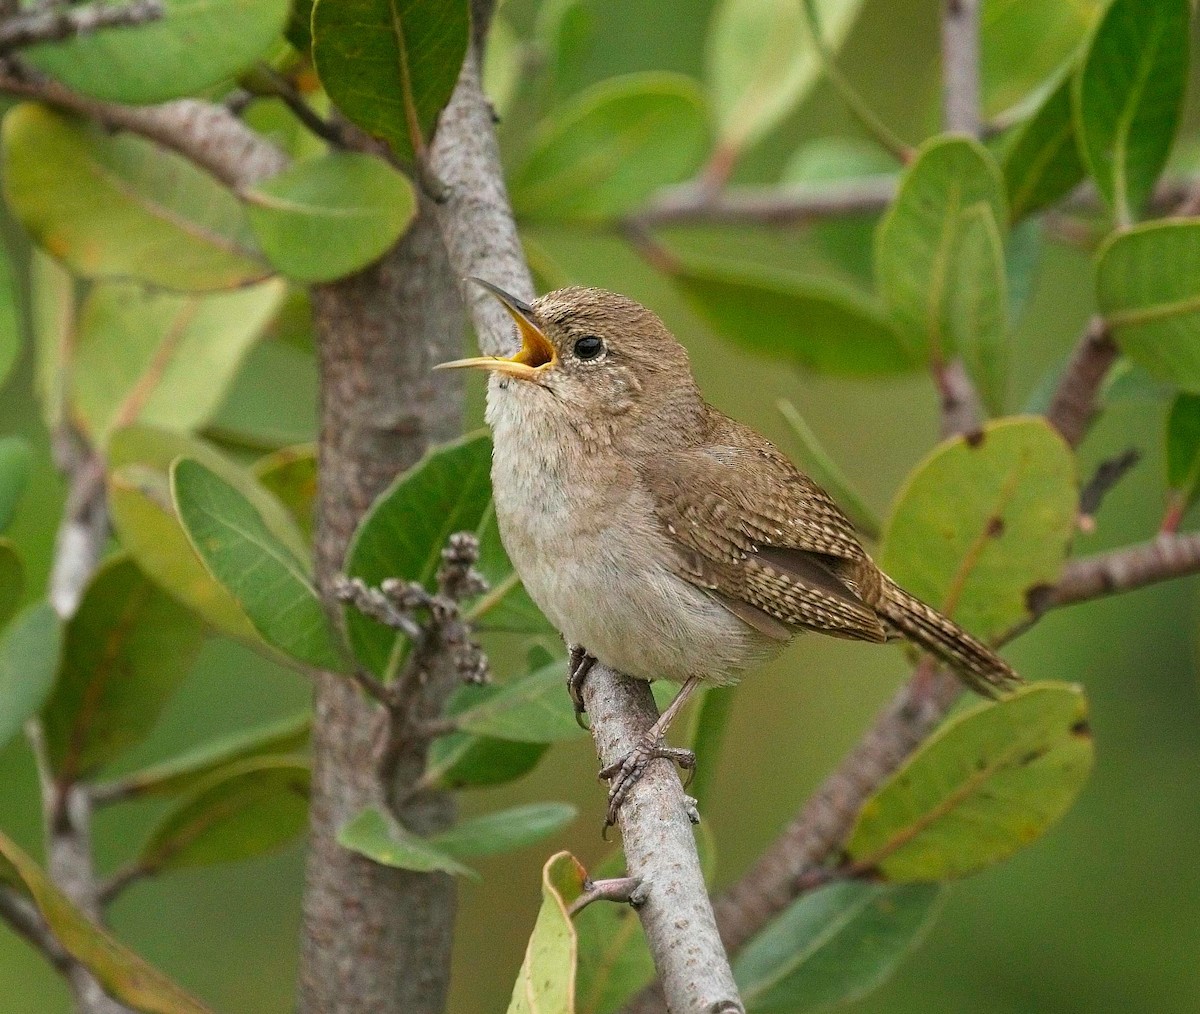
593 353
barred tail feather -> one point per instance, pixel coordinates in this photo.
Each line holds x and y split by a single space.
975 663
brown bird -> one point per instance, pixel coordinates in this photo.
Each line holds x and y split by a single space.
662 537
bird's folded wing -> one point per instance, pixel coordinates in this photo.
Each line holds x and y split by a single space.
763 538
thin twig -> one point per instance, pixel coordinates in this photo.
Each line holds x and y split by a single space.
22 915
961 90
623 890
331 131
1108 473
1075 400
58 22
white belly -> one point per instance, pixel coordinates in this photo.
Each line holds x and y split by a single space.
580 551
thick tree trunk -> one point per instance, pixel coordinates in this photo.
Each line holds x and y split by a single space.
376 940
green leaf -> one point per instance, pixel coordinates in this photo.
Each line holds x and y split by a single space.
273 401
378 837
612 146
614 961
12 580
546 982
159 358
983 521
919 242
123 974
330 216
11 331
462 760
1128 97
217 759
1183 449
1041 163
125 652
290 474
823 325
533 709
504 831
195 45
1024 45
816 461
405 531
1148 287
390 65
16 460
270 584
977 306
761 61
29 653
246 810
986 784
567 32
52 320
117 206
833 945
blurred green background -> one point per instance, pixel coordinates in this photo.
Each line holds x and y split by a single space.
1101 915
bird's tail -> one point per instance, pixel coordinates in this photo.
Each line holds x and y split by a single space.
976 664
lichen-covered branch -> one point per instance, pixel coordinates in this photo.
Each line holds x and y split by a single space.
56 22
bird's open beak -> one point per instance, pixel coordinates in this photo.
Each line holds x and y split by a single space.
536 353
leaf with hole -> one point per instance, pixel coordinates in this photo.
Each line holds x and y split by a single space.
983 521
952 182
195 45
121 973
611 147
125 653
29 654
761 61
833 945
248 809
390 65
546 982
985 785
272 586
405 531
16 460
160 358
820 324
330 216
117 206
1148 287
379 837
1128 97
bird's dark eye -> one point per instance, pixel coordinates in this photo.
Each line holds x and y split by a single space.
588 347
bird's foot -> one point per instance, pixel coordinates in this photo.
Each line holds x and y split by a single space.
579 663
624 774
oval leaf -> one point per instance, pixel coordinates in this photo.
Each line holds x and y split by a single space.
29 653
504 831
983 786
405 531
977 306
377 836
761 61
546 981
1128 97
125 653
249 809
195 44
1041 163
52 319
463 760
16 458
1183 449
983 521
267 580
833 945
159 358
330 216
819 324
123 974
918 245
1148 286
116 206
390 65
611 147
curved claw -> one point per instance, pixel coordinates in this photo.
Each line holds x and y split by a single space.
578 666
625 773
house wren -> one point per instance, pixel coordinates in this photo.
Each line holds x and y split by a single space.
662 537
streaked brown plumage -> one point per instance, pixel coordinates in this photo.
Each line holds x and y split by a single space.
664 537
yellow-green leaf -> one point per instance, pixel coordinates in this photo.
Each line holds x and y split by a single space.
546 981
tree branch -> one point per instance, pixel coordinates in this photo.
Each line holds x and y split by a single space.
961 92
660 849
1074 404
57 22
